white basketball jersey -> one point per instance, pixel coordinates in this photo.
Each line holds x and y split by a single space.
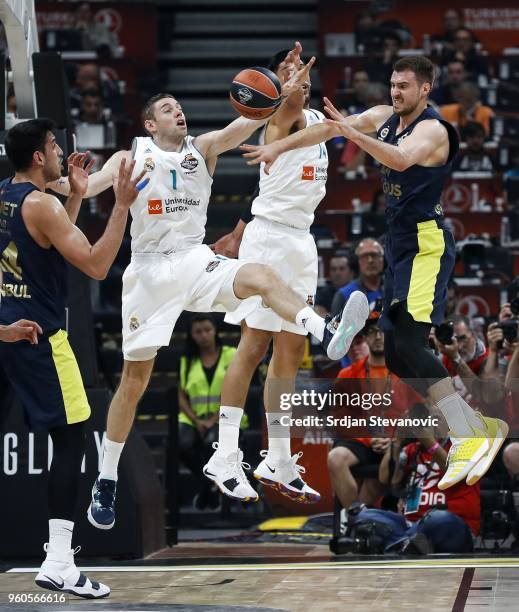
296 183
170 213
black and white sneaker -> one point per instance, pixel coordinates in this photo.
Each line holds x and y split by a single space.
57 574
286 478
226 471
340 330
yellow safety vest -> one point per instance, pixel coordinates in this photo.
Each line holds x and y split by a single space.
204 399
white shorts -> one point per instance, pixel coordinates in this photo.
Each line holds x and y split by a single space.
293 255
157 288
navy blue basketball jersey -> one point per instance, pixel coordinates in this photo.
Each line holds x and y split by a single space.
414 195
34 279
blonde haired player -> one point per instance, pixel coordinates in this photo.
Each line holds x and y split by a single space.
171 271
279 235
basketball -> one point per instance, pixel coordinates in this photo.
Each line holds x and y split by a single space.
255 93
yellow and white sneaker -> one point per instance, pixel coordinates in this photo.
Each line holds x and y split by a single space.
463 456
496 431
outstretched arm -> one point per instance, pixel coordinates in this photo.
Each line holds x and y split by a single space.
367 122
427 137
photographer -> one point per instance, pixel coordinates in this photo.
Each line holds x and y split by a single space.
413 469
463 353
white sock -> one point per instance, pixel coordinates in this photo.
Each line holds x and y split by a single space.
311 321
279 436
471 416
111 456
454 414
229 429
60 539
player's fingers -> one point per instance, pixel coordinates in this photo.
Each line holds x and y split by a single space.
90 165
86 155
267 167
138 178
254 162
335 124
309 65
252 154
247 147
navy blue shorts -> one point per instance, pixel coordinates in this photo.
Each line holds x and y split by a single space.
419 266
47 380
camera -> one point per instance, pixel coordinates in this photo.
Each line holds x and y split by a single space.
444 332
509 330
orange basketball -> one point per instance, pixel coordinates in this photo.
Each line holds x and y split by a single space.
255 93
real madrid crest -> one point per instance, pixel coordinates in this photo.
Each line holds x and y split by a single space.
149 164
134 323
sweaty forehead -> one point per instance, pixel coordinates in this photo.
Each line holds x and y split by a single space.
163 102
406 76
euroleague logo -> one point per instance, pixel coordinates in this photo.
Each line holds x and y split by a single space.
244 95
190 162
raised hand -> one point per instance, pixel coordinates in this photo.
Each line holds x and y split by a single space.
78 170
341 127
261 153
335 114
21 330
127 189
296 73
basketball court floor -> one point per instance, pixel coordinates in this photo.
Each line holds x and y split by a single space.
209 577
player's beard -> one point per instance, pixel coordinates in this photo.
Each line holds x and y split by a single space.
406 110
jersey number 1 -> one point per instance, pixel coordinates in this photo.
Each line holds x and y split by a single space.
174 178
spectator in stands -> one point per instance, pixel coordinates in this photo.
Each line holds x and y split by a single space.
453 297
381 68
474 158
93 33
353 100
92 110
365 451
453 515
202 370
88 77
468 107
451 24
366 35
353 156
465 51
465 357
340 275
445 93
370 256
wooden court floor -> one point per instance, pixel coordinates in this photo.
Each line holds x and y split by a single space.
280 577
